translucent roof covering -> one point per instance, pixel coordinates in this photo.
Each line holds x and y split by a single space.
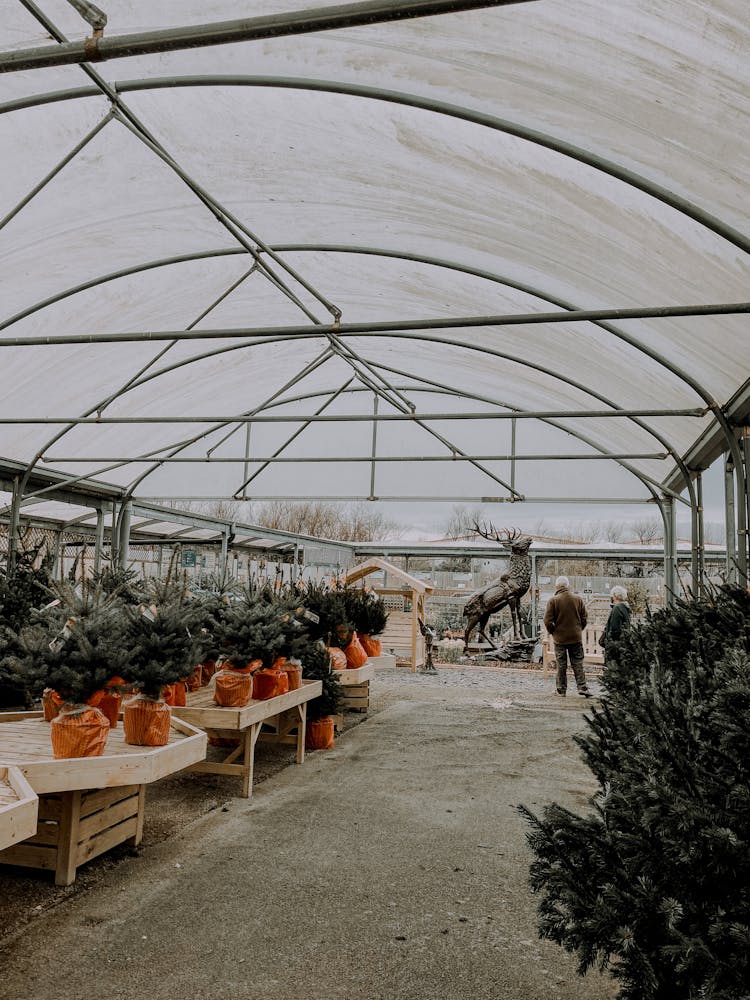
219 263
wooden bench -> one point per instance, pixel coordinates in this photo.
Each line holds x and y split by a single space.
19 807
282 716
89 804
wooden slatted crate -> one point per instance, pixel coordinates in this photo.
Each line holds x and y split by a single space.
19 806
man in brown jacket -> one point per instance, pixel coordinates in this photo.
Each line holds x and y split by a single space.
565 620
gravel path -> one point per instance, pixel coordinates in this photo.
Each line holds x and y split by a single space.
394 866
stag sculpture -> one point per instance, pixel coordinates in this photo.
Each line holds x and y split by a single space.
506 589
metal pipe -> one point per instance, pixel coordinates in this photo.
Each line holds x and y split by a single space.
56 170
374 447
391 327
745 431
701 537
729 520
462 498
286 418
124 534
306 459
99 540
243 29
671 579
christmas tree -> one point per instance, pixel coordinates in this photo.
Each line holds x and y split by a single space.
654 883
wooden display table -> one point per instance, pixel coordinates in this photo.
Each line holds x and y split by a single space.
282 715
356 684
384 660
19 807
86 804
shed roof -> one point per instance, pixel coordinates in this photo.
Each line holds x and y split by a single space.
497 254
374 564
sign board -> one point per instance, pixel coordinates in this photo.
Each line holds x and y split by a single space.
188 557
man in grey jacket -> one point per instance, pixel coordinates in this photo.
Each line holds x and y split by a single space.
565 619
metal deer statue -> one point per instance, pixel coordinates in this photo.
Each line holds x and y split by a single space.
506 589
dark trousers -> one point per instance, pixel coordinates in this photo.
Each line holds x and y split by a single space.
569 653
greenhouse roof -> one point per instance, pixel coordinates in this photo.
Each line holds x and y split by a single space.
493 254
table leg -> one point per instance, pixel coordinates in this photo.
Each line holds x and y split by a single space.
301 728
248 759
67 843
138 837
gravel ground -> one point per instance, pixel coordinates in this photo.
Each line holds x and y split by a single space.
173 805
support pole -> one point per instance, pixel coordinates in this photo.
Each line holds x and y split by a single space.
741 514
746 490
99 543
729 520
15 514
534 589
671 579
224 551
124 534
701 539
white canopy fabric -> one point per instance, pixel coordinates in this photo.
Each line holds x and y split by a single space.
522 159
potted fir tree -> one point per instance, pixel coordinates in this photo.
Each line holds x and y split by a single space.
370 619
251 637
321 711
162 637
74 650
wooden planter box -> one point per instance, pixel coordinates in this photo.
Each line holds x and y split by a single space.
356 684
19 807
87 804
280 715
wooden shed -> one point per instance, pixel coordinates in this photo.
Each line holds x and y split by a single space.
404 597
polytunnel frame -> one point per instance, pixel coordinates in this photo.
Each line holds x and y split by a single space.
738 239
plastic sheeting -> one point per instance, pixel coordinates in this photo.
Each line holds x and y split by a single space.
392 213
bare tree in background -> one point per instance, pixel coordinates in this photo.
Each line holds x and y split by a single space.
646 529
462 520
354 522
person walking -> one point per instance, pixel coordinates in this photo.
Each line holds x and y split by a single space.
618 619
565 619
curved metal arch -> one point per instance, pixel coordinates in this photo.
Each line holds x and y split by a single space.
333 248
520 131
416 258
642 477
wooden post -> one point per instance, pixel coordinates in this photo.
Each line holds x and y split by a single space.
301 729
67 842
414 629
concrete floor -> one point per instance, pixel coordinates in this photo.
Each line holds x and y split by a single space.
394 866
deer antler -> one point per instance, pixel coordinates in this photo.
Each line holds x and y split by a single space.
505 536
490 532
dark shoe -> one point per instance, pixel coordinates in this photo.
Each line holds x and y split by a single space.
586 694
561 693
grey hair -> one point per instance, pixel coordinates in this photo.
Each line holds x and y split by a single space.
619 592
562 581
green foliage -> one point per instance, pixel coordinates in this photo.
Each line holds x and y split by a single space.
316 665
253 632
655 882
163 638
21 590
74 647
124 582
368 612
329 604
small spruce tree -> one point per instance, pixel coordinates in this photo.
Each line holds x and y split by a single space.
654 883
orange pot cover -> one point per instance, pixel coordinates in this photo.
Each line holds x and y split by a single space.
110 705
79 731
208 669
269 684
338 658
195 679
355 654
319 734
279 663
234 688
294 676
373 647
146 722
51 704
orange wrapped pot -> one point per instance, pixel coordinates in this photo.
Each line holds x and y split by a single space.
294 676
146 722
51 704
355 655
373 647
320 733
78 731
195 679
110 705
269 684
234 688
338 658
208 669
